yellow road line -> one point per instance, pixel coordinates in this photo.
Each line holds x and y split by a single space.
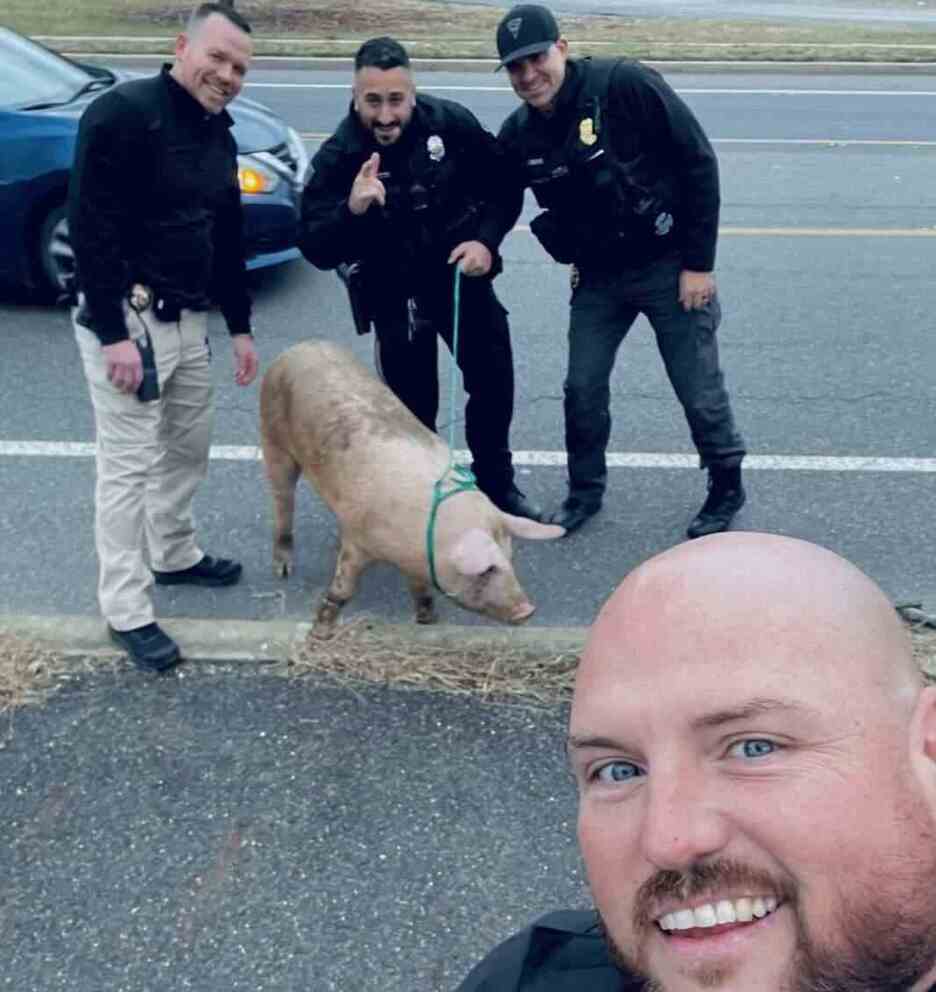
829 232
819 142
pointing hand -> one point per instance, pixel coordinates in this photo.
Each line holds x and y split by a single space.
367 188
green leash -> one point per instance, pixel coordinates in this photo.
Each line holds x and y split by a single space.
460 478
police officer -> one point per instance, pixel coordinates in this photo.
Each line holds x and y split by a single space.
628 183
405 189
155 220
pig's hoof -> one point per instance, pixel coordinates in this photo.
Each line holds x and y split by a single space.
282 568
425 609
327 615
322 631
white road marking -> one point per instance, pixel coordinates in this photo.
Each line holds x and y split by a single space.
65 38
706 91
826 142
709 65
545 459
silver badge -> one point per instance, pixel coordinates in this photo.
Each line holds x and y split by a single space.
140 297
664 224
435 147
514 25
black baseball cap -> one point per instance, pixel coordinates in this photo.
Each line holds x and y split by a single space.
526 29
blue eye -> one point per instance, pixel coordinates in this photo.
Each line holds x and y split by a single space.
617 771
754 748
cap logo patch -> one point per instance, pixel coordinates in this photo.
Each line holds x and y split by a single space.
514 25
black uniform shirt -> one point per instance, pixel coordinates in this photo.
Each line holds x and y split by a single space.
154 199
386 238
562 952
649 123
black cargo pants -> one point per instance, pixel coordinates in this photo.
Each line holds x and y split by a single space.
604 306
408 330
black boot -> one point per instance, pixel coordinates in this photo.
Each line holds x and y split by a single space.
514 502
574 512
725 497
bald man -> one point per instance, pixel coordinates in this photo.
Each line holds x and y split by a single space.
755 752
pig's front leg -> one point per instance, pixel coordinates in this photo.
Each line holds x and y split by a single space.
351 562
422 599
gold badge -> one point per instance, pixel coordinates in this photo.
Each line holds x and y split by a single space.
587 131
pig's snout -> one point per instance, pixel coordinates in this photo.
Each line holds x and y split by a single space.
521 612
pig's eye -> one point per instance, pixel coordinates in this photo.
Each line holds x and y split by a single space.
489 572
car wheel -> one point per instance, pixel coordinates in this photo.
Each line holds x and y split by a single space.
56 258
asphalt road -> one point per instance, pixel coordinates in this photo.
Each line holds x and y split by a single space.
232 829
825 341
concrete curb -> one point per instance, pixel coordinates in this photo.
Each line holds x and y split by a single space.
270 641
263 642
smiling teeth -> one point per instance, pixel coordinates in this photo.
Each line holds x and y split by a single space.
724 911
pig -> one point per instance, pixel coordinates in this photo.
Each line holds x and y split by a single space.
324 415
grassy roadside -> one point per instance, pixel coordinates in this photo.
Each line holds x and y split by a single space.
437 29
360 654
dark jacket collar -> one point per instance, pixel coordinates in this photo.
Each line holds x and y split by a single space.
185 104
571 85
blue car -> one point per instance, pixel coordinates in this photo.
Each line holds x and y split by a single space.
42 96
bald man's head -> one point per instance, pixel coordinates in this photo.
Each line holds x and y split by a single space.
756 759
750 591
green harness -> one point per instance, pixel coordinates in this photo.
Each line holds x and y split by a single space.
456 478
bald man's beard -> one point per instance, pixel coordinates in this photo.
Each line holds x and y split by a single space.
886 926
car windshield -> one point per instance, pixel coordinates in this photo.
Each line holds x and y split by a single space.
31 74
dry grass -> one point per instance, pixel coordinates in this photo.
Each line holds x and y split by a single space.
31 672
27 672
924 648
432 28
360 653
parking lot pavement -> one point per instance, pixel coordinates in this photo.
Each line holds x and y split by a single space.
235 829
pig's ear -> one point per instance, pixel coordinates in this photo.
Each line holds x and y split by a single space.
531 530
475 552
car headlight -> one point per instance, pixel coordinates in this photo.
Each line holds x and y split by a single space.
255 177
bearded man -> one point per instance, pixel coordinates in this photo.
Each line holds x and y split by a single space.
755 753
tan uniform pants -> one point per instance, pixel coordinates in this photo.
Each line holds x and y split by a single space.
150 459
